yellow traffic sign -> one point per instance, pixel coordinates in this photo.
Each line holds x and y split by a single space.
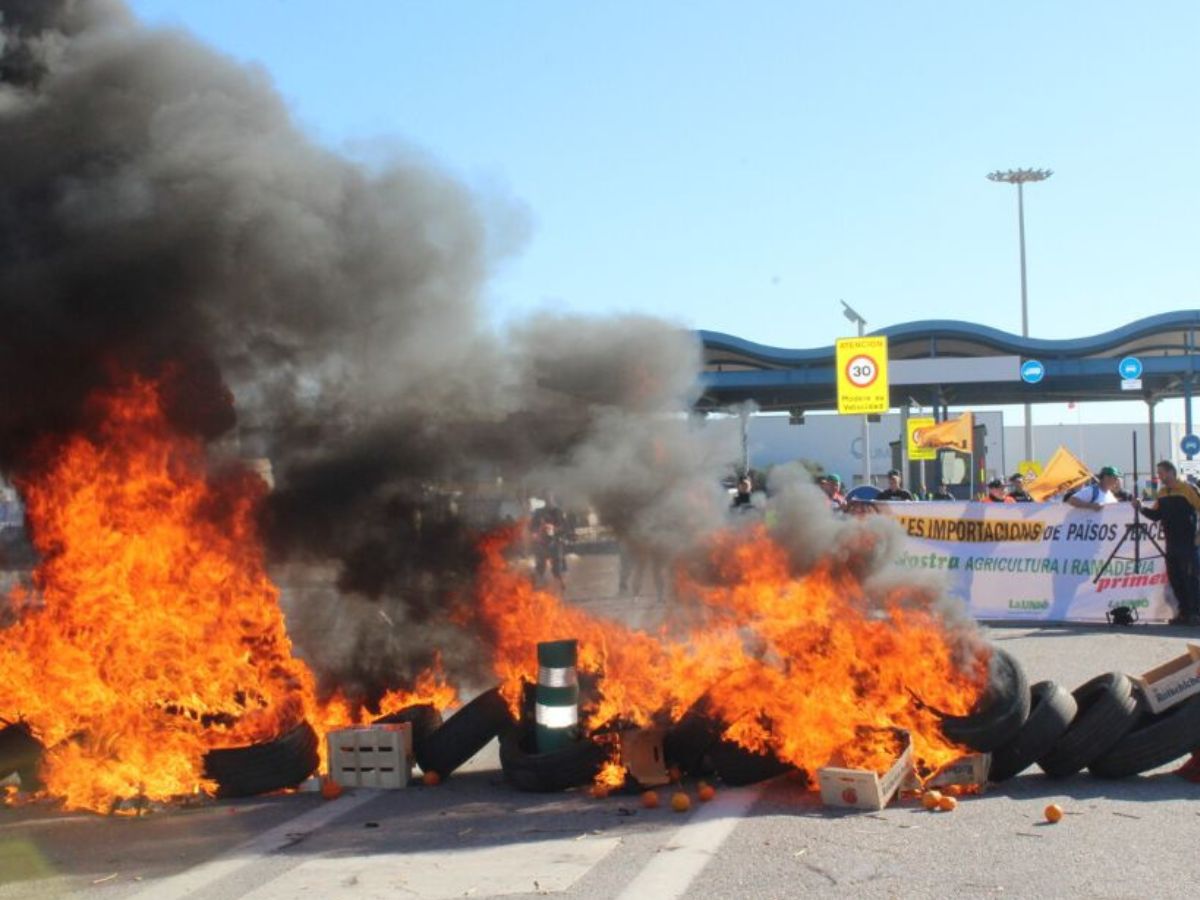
915 450
862 376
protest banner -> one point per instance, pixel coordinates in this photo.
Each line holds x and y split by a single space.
1035 560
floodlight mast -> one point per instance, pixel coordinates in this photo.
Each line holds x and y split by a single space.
1021 177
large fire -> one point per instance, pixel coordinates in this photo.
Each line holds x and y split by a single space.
153 633
802 666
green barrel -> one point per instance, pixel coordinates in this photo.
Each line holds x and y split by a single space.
556 706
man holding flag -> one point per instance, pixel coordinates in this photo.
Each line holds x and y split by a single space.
1176 508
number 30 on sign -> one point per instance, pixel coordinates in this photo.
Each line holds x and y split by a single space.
862 377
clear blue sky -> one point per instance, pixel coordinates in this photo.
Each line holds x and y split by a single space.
742 166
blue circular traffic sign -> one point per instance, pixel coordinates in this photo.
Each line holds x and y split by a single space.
1032 371
1190 445
1130 367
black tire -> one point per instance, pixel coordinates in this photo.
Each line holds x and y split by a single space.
464 734
572 766
737 766
1051 712
1108 710
687 743
21 752
261 768
1000 712
423 717
1155 740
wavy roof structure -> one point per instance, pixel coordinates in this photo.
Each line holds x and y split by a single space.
1080 369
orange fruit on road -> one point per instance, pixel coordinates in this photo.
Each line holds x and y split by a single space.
706 792
599 791
931 799
431 779
947 804
674 773
330 789
681 802
650 799
1054 813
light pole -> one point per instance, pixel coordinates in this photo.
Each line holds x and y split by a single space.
1020 177
858 320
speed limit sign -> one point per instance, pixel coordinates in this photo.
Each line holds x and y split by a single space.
862 378
862 370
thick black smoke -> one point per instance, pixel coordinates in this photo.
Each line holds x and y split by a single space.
161 213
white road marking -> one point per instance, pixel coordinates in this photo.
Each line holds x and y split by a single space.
691 847
244 855
534 868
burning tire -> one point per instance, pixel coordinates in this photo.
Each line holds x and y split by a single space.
464 734
423 717
261 768
1108 710
1001 711
688 742
1155 740
1051 711
737 766
20 752
527 770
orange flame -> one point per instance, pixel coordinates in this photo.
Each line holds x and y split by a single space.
153 633
797 665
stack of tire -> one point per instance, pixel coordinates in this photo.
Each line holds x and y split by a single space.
1104 726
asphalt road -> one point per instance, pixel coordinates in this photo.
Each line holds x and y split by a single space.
475 837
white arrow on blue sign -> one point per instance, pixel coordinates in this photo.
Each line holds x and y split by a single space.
1130 368
1032 371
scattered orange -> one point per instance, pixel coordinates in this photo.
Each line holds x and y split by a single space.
599 791
681 802
1054 813
947 804
330 789
674 773
431 779
650 799
931 799
706 792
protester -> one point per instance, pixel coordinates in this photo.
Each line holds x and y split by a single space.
831 484
1016 488
742 499
1099 493
996 493
894 489
943 492
548 528
1176 508
1122 495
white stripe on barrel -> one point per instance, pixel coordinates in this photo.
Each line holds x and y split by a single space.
553 677
556 716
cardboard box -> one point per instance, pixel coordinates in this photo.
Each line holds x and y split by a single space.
1174 681
864 788
371 756
642 756
970 770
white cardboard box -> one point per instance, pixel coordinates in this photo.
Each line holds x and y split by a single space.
371 756
1168 684
969 770
642 756
863 788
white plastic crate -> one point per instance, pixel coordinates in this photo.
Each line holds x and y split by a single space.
372 756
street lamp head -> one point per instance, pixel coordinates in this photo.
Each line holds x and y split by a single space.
849 312
1020 176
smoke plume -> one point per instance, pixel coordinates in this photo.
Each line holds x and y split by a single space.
162 214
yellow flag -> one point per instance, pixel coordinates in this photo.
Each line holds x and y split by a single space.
954 434
1063 472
